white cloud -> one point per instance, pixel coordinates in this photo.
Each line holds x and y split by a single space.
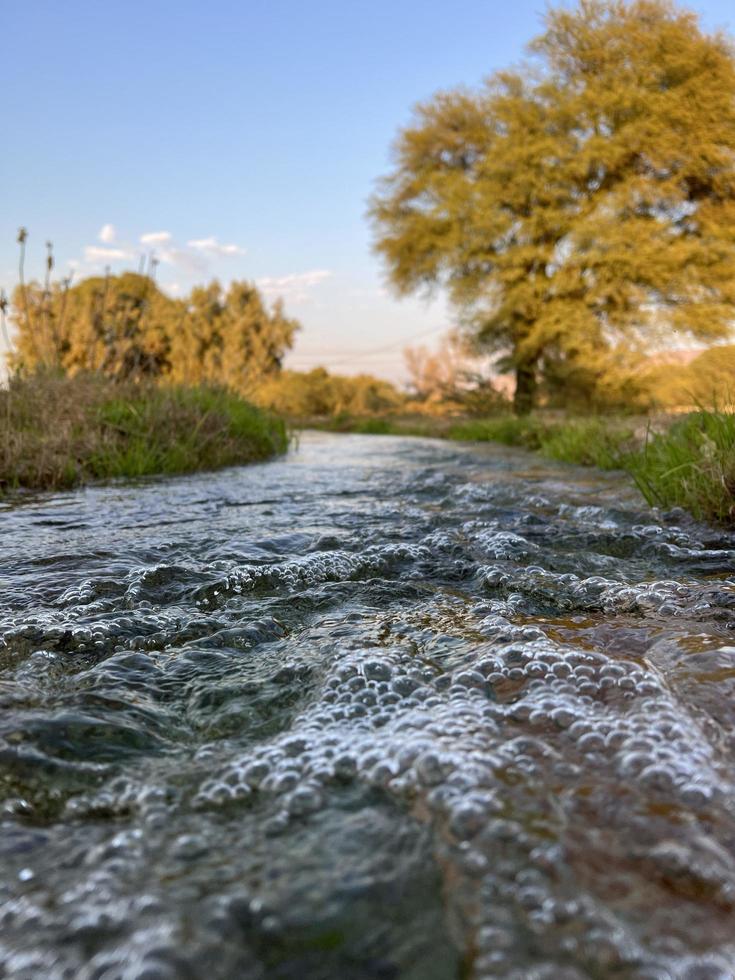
213 247
191 261
188 262
98 253
295 286
156 238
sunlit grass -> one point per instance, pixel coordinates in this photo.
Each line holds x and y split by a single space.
526 431
591 442
58 432
692 465
587 442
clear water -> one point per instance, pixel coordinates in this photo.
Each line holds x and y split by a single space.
388 708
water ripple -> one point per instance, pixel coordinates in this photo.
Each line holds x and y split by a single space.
388 708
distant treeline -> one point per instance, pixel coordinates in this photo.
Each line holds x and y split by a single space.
126 328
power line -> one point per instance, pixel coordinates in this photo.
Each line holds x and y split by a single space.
388 355
350 355
340 361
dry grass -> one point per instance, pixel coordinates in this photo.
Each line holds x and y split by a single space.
57 431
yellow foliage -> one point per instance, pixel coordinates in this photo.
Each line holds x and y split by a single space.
125 327
587 203
708 381
319 394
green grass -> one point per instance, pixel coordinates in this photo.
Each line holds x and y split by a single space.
373 427
377 425
526 432
587 442
591 442
692 465
58 432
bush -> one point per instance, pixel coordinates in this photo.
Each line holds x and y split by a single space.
317 394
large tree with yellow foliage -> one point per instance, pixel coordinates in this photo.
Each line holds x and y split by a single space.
582 201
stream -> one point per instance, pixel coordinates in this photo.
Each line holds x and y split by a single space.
384 709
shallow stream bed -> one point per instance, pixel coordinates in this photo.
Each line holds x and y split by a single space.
387 709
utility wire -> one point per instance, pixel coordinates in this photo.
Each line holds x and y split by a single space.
350 355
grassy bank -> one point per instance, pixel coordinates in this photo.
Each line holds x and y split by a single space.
58 432
687 462
587 442
691 465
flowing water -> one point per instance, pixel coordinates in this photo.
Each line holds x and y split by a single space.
387 708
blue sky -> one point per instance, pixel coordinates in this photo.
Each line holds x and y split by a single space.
246 135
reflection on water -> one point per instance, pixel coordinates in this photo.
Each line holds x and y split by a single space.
388 708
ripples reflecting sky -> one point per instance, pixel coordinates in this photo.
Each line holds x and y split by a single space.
387 708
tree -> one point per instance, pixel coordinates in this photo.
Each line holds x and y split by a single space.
230 337
127 328
120 325
583 201
317 393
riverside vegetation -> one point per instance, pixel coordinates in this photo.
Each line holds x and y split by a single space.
578 214
104 399
113 378
686 461
678 452
61 431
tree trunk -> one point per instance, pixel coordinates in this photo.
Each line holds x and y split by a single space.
524 399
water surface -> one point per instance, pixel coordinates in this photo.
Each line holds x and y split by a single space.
387 708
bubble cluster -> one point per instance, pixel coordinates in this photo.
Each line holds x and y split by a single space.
435 711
